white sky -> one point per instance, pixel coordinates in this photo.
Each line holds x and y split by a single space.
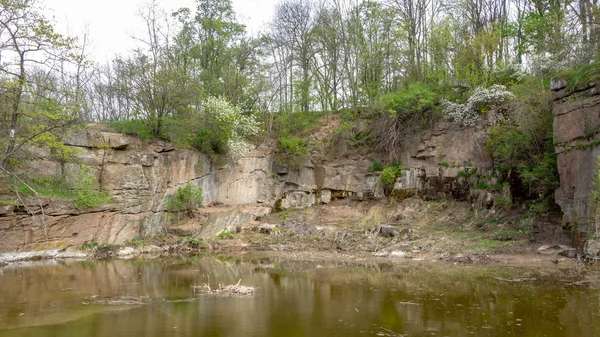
112 22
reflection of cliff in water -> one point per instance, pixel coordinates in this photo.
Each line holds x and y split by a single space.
292 299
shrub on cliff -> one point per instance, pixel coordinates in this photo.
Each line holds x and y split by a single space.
388 177
400 116
291 152
481 100
185 199
85 190
416 98
216 127
521 146
291 130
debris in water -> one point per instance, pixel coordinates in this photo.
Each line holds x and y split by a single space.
226 291
125 300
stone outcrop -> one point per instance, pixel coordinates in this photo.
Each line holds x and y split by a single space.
447 161
139 176
577 143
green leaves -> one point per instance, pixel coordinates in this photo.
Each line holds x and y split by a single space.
417 98
389 175
185 199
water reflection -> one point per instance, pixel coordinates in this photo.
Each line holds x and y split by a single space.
292 299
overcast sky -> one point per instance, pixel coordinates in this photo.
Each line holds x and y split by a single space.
112 22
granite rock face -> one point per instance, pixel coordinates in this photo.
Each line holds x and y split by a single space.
576 126
140 176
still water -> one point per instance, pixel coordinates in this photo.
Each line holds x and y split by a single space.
157 298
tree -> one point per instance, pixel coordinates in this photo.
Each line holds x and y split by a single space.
292 31
28 44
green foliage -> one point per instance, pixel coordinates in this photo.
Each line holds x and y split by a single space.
584 75
594 200
405 113
389 175
522 147
80 187
375 167
466 173
226 235
48 186
135 127
417 98
136 242
541 178
85 190
507 146
496 187
482 185
185 199
88 245
192 242
291 152
217 127
351 135
298 124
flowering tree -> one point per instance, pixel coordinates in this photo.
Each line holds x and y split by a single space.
238 126
481 100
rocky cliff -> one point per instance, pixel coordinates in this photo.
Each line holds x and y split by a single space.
577 143
141 175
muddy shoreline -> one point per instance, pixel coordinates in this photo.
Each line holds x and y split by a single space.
317 256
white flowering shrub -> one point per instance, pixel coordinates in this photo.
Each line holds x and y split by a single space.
482 99
509 73
462 114
238 148
238 126
546 63
488 98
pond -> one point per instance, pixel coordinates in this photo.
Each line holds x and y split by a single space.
295 298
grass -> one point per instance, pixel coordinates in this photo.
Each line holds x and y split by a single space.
298 124
584 75
48 186
192 242
135 127
226 235
136 242
89 245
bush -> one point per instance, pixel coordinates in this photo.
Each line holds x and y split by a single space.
584 75
215 127
298 124
291 152
85 190
375 167
388 177
349 135
481 100
404 114
137 242
135 127
184 200
417 98
522 148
